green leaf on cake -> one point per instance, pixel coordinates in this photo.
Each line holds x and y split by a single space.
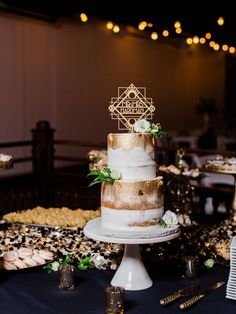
104 175
94 173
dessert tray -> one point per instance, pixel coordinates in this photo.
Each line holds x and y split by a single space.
60 241
25 258
6 161
52 217
221 165
224 166
26 269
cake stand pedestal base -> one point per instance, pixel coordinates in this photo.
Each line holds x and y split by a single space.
131 274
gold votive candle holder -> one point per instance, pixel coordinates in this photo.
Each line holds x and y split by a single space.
191 264
66 274
114 300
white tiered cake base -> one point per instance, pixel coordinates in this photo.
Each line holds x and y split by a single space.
131 274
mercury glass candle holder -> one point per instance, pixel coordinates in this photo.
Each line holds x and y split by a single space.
114 297
191 264
66 276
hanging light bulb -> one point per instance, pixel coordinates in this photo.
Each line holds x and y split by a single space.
208 36
202 40
154 35
231 49
220 21
165 33
110 25
216 47
142 25
178 30
211 43
116 29
225 47
177 24
189 41
83 17
195 39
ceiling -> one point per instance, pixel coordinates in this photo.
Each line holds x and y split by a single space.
196 17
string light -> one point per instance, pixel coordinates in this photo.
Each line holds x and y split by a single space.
154 35
202 40
212 43
208 36
216 47
178 30
177 25
142 26
110 25
220 21
195 39
225 47
83 17
116 29
165 33
189 41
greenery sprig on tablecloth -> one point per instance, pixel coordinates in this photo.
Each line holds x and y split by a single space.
84 264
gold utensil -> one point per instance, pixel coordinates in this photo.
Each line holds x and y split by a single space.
189 303
189 290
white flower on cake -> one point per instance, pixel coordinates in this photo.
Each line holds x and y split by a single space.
169 219
142 126
115 174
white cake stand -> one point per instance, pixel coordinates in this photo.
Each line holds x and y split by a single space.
131 274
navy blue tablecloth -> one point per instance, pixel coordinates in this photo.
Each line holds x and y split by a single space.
36 292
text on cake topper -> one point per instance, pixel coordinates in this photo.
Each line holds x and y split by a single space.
131 105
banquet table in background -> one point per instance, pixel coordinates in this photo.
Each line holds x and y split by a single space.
36 292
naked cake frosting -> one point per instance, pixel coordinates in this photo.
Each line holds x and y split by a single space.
136 200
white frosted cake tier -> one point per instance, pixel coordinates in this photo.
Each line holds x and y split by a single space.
130 219
136 171
132 154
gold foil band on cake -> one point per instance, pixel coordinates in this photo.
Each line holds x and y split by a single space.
144 224
128 141
132 195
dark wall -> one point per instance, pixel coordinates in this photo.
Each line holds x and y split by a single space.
230 92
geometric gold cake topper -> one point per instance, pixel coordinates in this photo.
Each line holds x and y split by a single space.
131 105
